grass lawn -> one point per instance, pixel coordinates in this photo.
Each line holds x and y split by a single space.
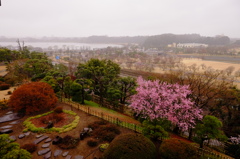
111 112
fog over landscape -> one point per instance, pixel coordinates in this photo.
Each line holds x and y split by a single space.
120 79
78 18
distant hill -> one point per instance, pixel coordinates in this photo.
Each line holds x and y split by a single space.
165 39
118 40
155 41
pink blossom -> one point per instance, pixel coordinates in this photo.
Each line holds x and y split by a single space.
155 100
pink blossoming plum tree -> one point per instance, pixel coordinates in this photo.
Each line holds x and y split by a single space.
158 100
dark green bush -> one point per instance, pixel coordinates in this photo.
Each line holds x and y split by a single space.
68 142
109 136
177 149
97 124
105 132
153 131
130 146
92 143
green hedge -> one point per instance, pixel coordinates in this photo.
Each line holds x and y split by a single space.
31 127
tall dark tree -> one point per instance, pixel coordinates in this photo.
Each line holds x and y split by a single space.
125 86
101 72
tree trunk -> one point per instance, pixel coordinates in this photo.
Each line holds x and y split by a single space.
176 130
201 143
190 134
82 96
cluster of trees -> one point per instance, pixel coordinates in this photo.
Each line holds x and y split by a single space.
105 80
166 105
24 65
99 77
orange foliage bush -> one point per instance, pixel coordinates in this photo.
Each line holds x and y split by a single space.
33 97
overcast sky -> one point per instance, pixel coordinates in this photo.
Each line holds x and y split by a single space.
81 18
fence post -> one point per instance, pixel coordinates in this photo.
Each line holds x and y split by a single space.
117 122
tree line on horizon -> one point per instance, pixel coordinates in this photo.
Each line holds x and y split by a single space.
154 41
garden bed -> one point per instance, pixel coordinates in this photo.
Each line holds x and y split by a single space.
63 122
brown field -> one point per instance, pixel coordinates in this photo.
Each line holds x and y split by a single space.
213 64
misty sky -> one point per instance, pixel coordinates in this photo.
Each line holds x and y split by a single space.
81 18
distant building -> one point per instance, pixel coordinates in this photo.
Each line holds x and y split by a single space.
191 45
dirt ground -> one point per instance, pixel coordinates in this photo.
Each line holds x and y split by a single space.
82 149
4 93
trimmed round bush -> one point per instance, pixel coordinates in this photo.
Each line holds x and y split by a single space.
130 146
68 142
31 147
33 98
177 149
92 143
106 132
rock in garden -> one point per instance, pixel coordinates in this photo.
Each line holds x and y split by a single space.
27 133
78 157
57 140
46 145
9 117
6 127
10 112
6 131
57 153
38 136
68 157
15 122
21 136
65 153
48 155
40 139
48 140
44 151
13 138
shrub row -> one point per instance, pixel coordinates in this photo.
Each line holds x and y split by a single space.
4 86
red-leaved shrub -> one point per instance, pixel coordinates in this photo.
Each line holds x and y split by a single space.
33 97
31 147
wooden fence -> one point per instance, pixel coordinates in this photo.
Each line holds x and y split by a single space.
134 127
210 154
103 116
